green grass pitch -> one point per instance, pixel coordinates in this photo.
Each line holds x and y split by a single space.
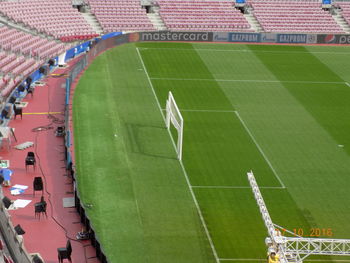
281 111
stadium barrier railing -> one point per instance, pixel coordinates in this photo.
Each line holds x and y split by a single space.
14 243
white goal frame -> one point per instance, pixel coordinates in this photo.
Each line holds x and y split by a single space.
174 117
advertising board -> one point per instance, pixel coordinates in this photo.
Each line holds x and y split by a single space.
220 37
245 37
333 39
177 36
268 38
292 38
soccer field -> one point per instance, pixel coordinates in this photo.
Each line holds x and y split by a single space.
280 111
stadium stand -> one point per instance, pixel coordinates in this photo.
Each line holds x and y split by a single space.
294 16
53 18
22 53
345 6
124 15
202 16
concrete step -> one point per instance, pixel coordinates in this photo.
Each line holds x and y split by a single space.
338 17
156 20
92 20
254 23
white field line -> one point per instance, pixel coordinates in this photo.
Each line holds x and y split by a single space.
182 166
219 111
247 50
264 260
259 148
254 80
243 259
347 84
234 187
127 160
327 260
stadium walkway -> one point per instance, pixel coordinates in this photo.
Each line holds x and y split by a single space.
45 235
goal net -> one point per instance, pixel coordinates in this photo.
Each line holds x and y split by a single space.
174 117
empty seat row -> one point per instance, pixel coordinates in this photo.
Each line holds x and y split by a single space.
109 15
294 16
209 15
61 19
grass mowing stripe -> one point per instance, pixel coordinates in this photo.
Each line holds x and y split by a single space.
255 80
326 104
260 150
204 111
182 166
230 214
100 159
247 50
217 151
313 166
234 187
127 161
170 229
208 137
254 100
264 260
244 259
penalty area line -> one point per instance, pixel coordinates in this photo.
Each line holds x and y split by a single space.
259 148
264 260
201 217
347 84
234 187
253 80
245 50
219 111
326 260
243 259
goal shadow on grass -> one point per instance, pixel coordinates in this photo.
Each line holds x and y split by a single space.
149 140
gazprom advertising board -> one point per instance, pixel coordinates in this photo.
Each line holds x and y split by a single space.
244 37
292 38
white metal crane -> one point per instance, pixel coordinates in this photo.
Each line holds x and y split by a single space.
296 249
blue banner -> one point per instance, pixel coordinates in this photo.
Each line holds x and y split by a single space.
68 145
71 53
291 38
35 76
109 35
244 37
67 90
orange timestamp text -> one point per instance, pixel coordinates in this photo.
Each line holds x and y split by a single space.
310 232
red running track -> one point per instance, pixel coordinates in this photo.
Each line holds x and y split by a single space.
45 235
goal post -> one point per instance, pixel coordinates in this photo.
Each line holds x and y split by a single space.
174 117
